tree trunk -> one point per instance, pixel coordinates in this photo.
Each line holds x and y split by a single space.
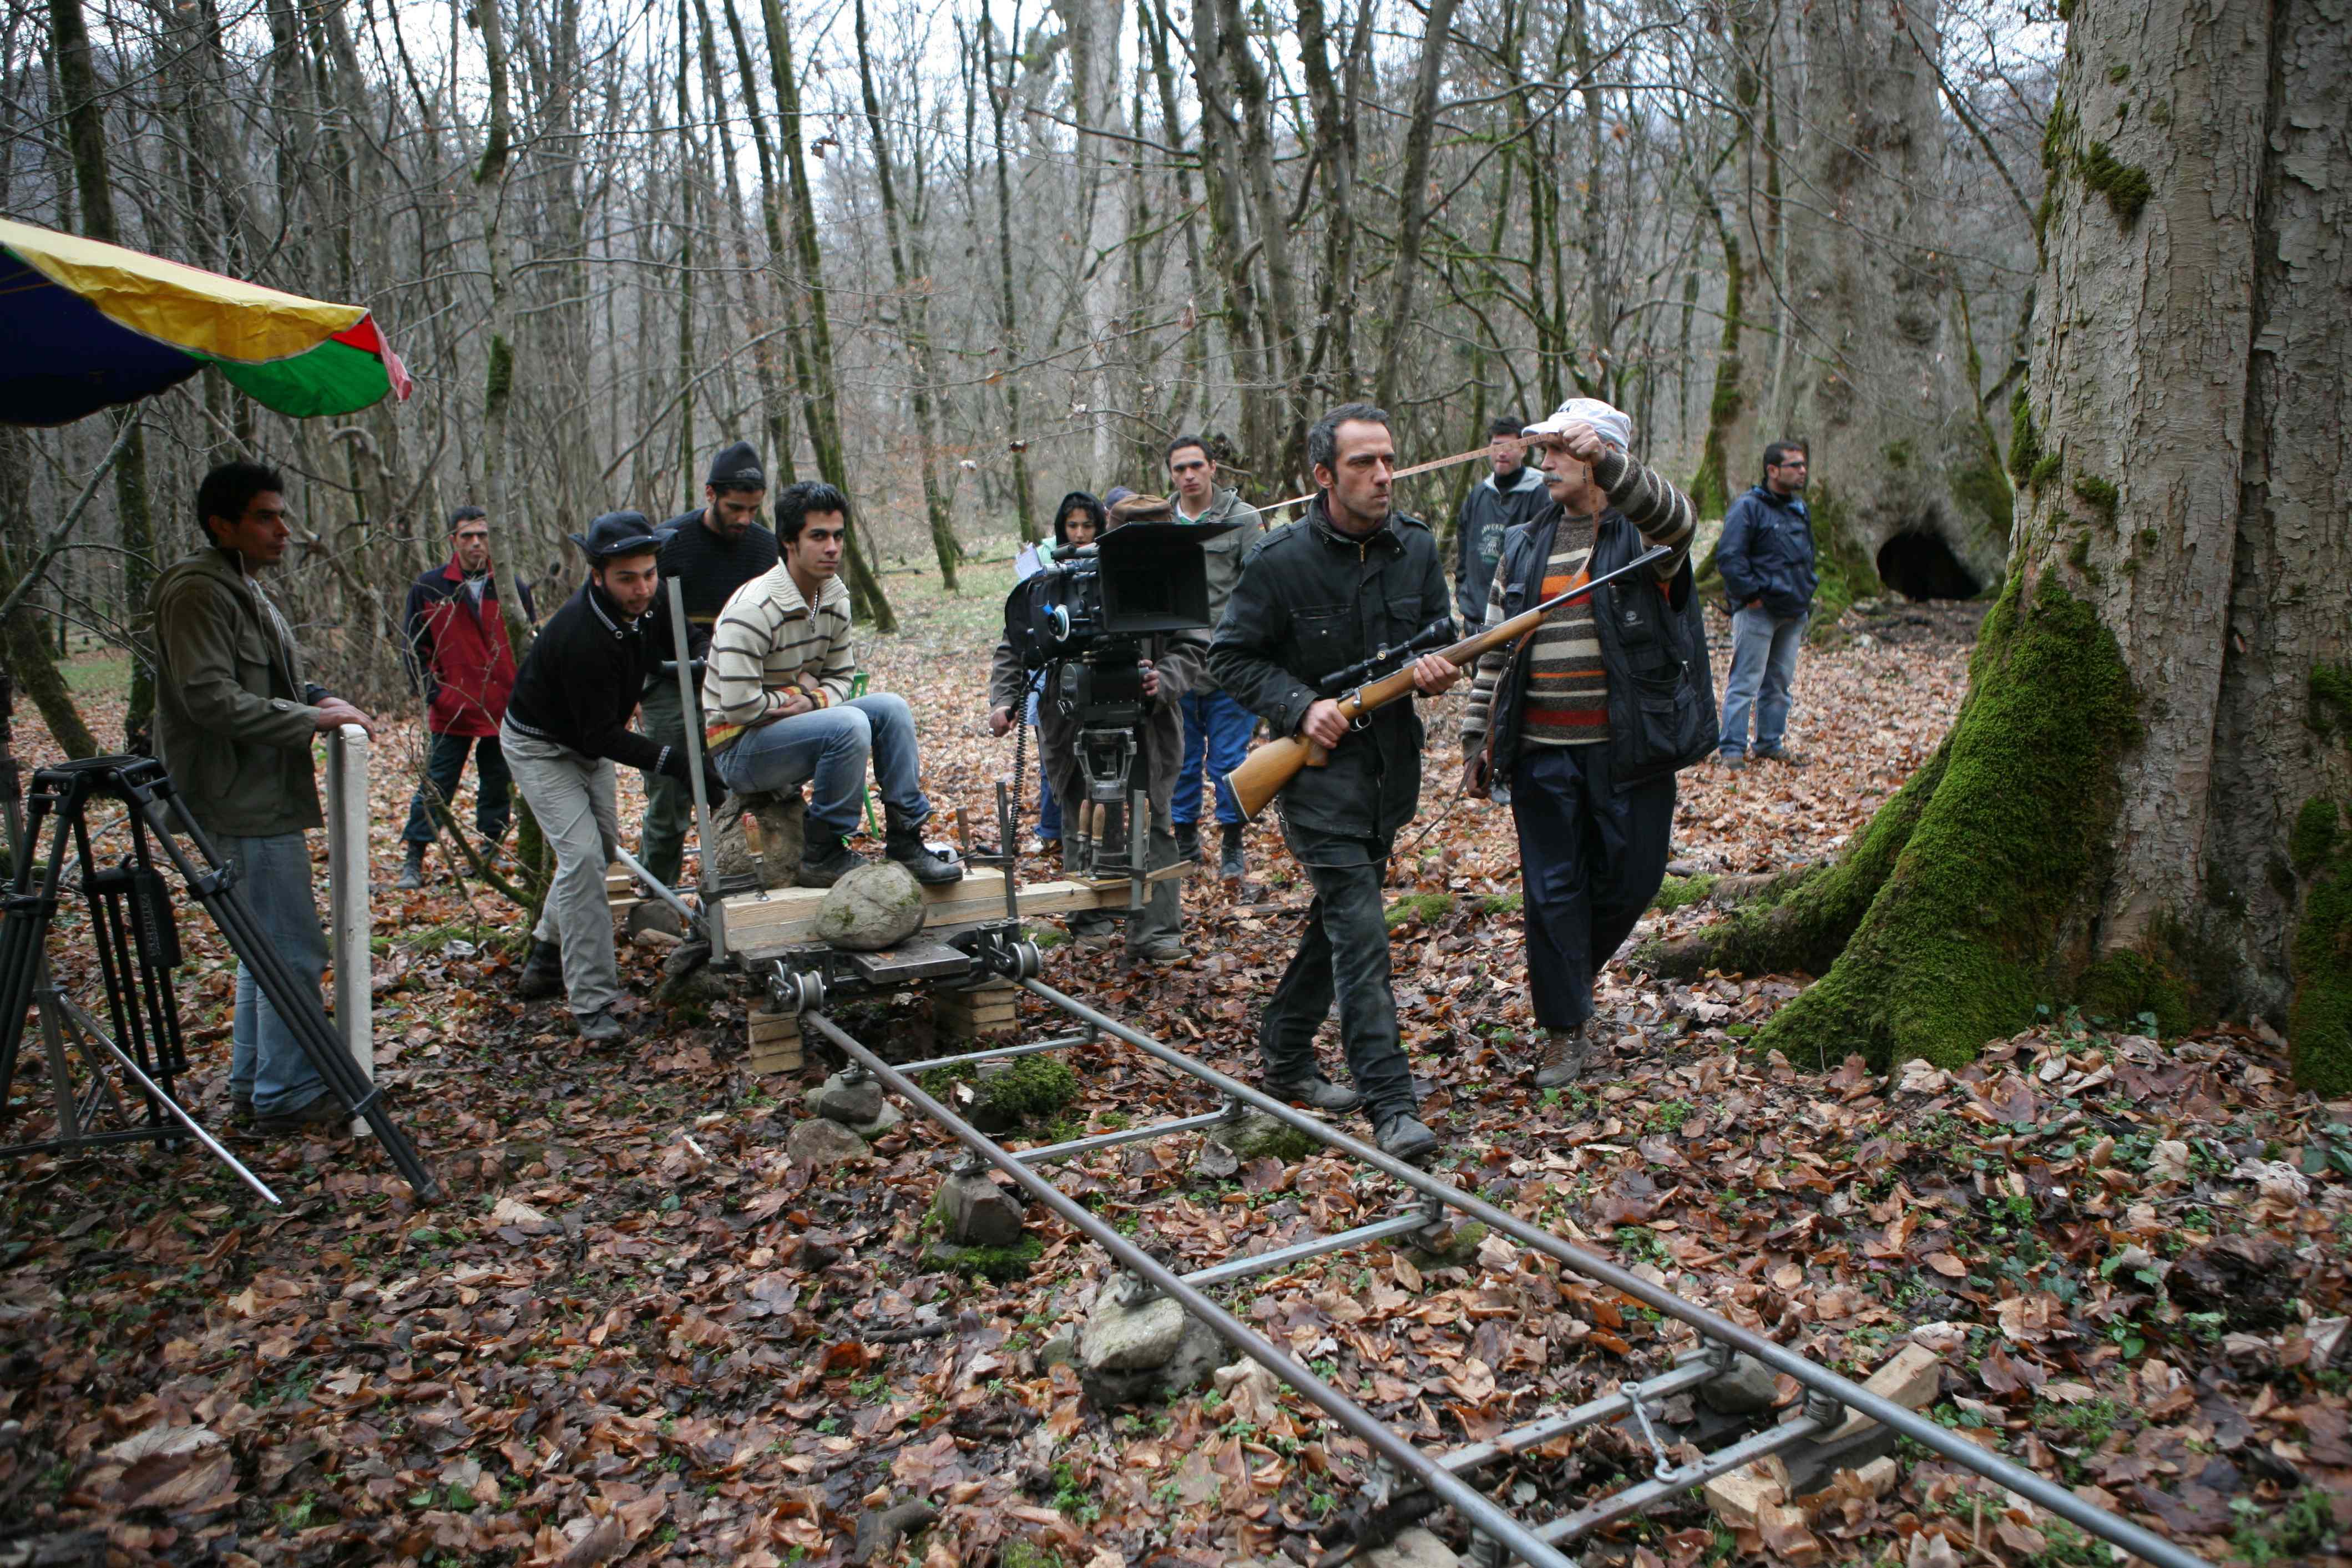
1092 28
1414 219
1008 320
24 640
780 430
1876 390
2139 808
86 134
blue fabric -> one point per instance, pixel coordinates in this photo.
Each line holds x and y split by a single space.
1767 553
67 359
1049 810
1591 859
831 747
1764 650
265 1061
1217 733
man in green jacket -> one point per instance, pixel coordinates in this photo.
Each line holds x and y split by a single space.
234 719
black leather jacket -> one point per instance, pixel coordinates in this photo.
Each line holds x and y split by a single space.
1312 600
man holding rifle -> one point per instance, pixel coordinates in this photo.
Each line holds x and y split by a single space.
1581 725
1350 578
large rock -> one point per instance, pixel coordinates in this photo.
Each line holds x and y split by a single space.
878 905
822 1143
856 1105
784 830
1750 1386
979 1212
1416 1548
1254 1135
1138 1345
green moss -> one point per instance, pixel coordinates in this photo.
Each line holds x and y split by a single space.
2173 977
2045 469
2331 698
1984 490
1844 570
1679 892
2126 185
2078 555
2024 436
1425 908
2314 838
2319 1020
1502 904
2119 73
1002 1263
1958 944
1897 454
2098 495
1032 1089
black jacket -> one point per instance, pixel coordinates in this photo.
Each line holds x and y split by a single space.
1652 644
1489 512
579 683
1310 601
1767 553
708 568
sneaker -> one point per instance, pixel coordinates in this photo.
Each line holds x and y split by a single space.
1319 1093
240 1109
1161 950
1187 841
826 861
1785 757
932 867
1732 761
1564 1055
1402 1136
412 874
325 1111
1231 866
601 1027
542 972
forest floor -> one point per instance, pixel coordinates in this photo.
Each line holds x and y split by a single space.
636 1330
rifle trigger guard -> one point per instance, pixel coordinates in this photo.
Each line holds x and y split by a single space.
1362 721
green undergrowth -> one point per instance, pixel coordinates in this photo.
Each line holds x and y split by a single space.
1034 1089
1424 908
1957 946
1843 568
2319 1020
1681 892
1000 1265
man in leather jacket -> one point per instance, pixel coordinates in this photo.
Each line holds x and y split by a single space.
1350 576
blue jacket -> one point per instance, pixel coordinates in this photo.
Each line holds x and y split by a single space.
1767 553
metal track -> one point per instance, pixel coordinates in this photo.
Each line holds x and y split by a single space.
1828 1396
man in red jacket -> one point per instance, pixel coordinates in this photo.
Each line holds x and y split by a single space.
458 648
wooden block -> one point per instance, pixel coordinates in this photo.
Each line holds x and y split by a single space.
981 1012
774 1026
762 924
775 1042
1735 1497
1910 1378
777 1057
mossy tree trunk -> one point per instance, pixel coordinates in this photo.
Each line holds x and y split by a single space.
1873 383
2140 807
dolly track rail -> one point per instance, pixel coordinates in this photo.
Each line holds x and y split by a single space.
1818 1380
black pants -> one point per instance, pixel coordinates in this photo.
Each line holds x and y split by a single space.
1592 857
1345 951
445 764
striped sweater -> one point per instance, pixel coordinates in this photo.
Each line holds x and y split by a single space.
1567 689
769 643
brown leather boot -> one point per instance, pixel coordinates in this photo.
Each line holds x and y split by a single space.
1564 1055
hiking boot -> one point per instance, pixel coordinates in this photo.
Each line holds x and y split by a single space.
240 1109
601 1027
1231 866
1187 841
412 875
1732 761
1317 1092
542 972
827 859
1161 950
1564 1055
932 867
1402 1136
315 1116
1780 755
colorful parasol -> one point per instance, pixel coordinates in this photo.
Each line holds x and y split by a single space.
85 325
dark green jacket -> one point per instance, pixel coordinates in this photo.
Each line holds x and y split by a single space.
234 716
1311 601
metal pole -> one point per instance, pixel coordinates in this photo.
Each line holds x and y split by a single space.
2043 1493
1471 1504
691 712
88 1027
347 897
686 912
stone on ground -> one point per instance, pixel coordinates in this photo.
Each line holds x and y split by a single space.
1138 1345
1254 1135
653 915
821 1142
1416 1548
857 1105
1748 1387
878 905
978 1212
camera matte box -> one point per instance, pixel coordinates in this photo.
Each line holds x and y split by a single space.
1154 578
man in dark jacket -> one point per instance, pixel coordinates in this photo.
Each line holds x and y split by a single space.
457 652
711 551
1511 493
233 722
1581 725
1766 556
1350 577
566 725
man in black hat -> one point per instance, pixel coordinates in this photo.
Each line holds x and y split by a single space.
711 551
567 725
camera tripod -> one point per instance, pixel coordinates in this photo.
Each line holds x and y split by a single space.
137 944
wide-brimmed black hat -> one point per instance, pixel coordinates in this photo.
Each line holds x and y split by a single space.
616 533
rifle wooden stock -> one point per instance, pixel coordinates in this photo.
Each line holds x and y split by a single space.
1265 771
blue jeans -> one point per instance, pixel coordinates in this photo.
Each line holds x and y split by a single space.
831 746
265 1062
1216 730
1763 659
445 764
1049 809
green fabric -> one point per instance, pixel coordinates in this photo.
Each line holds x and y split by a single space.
334 378
230 721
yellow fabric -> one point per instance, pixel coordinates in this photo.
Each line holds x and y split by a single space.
185 307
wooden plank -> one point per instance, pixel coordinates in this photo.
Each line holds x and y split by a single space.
758 925
775 1042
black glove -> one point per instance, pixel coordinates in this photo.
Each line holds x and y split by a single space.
714 788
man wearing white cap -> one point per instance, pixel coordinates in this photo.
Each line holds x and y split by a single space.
1581 726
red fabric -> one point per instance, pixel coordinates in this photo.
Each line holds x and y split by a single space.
473 666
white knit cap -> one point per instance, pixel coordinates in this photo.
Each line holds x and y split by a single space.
1610 424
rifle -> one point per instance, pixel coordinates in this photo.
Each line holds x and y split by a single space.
1266 770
